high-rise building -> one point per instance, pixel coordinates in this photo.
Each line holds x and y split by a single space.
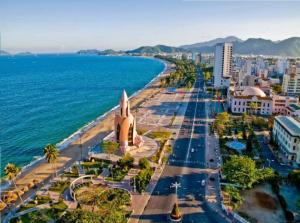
198 58
223 65
291 82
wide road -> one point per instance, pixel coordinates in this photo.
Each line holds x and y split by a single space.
186 166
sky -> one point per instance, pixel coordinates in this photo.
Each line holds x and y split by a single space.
70 25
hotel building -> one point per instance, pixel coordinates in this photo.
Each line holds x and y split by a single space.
222 65
286 132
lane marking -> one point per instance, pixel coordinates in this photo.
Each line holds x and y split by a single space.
192 131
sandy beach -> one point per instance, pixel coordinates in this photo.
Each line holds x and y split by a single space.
71 153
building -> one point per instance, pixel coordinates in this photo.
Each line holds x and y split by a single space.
249 80
293 110
197 58
291 82
281 103
286 132
125 126
249 100
282 65
222 65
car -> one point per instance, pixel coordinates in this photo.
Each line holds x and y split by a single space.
203 183
192 150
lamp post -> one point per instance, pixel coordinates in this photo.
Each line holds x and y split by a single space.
176 185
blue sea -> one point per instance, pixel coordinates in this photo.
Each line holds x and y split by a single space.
46 98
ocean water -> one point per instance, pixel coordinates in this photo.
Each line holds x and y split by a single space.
46 98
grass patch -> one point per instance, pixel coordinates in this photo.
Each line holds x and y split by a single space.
160 136
39 199
59 186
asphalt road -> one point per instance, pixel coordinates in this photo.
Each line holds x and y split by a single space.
186 166
271 160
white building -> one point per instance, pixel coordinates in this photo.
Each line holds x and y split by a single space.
241 101
286 132
291 82
293 110
223 65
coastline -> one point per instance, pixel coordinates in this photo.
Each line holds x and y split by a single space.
93 130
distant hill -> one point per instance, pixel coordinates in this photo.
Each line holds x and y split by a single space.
99 52
24 54
257 46
213 42
157 49
2 52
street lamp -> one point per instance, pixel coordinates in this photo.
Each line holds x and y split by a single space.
176 185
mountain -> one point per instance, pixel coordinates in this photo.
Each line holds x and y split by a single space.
156 49
256 46
24 54
213 42
99 52
2 53
287 47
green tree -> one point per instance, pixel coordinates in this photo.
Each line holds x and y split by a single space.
142 179
109 147
253 107
277 88
51 154
294 178
241 170
11 171
126 161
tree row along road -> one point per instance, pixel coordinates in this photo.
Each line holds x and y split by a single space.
185 166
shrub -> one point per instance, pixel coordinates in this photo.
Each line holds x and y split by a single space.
144 163
126 161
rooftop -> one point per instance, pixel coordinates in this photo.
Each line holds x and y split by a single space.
290 124
295 107
253 91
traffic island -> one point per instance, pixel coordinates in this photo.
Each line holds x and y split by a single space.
175 215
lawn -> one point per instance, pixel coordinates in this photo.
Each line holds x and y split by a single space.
59 186
39 199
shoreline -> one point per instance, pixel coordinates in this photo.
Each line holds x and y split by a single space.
71 141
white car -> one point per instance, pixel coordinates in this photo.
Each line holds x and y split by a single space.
192 150
203 183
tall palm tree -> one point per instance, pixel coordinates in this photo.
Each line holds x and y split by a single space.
11 171
51 154
253 107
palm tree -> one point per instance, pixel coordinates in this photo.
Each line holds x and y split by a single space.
51 154
253 107
11 171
